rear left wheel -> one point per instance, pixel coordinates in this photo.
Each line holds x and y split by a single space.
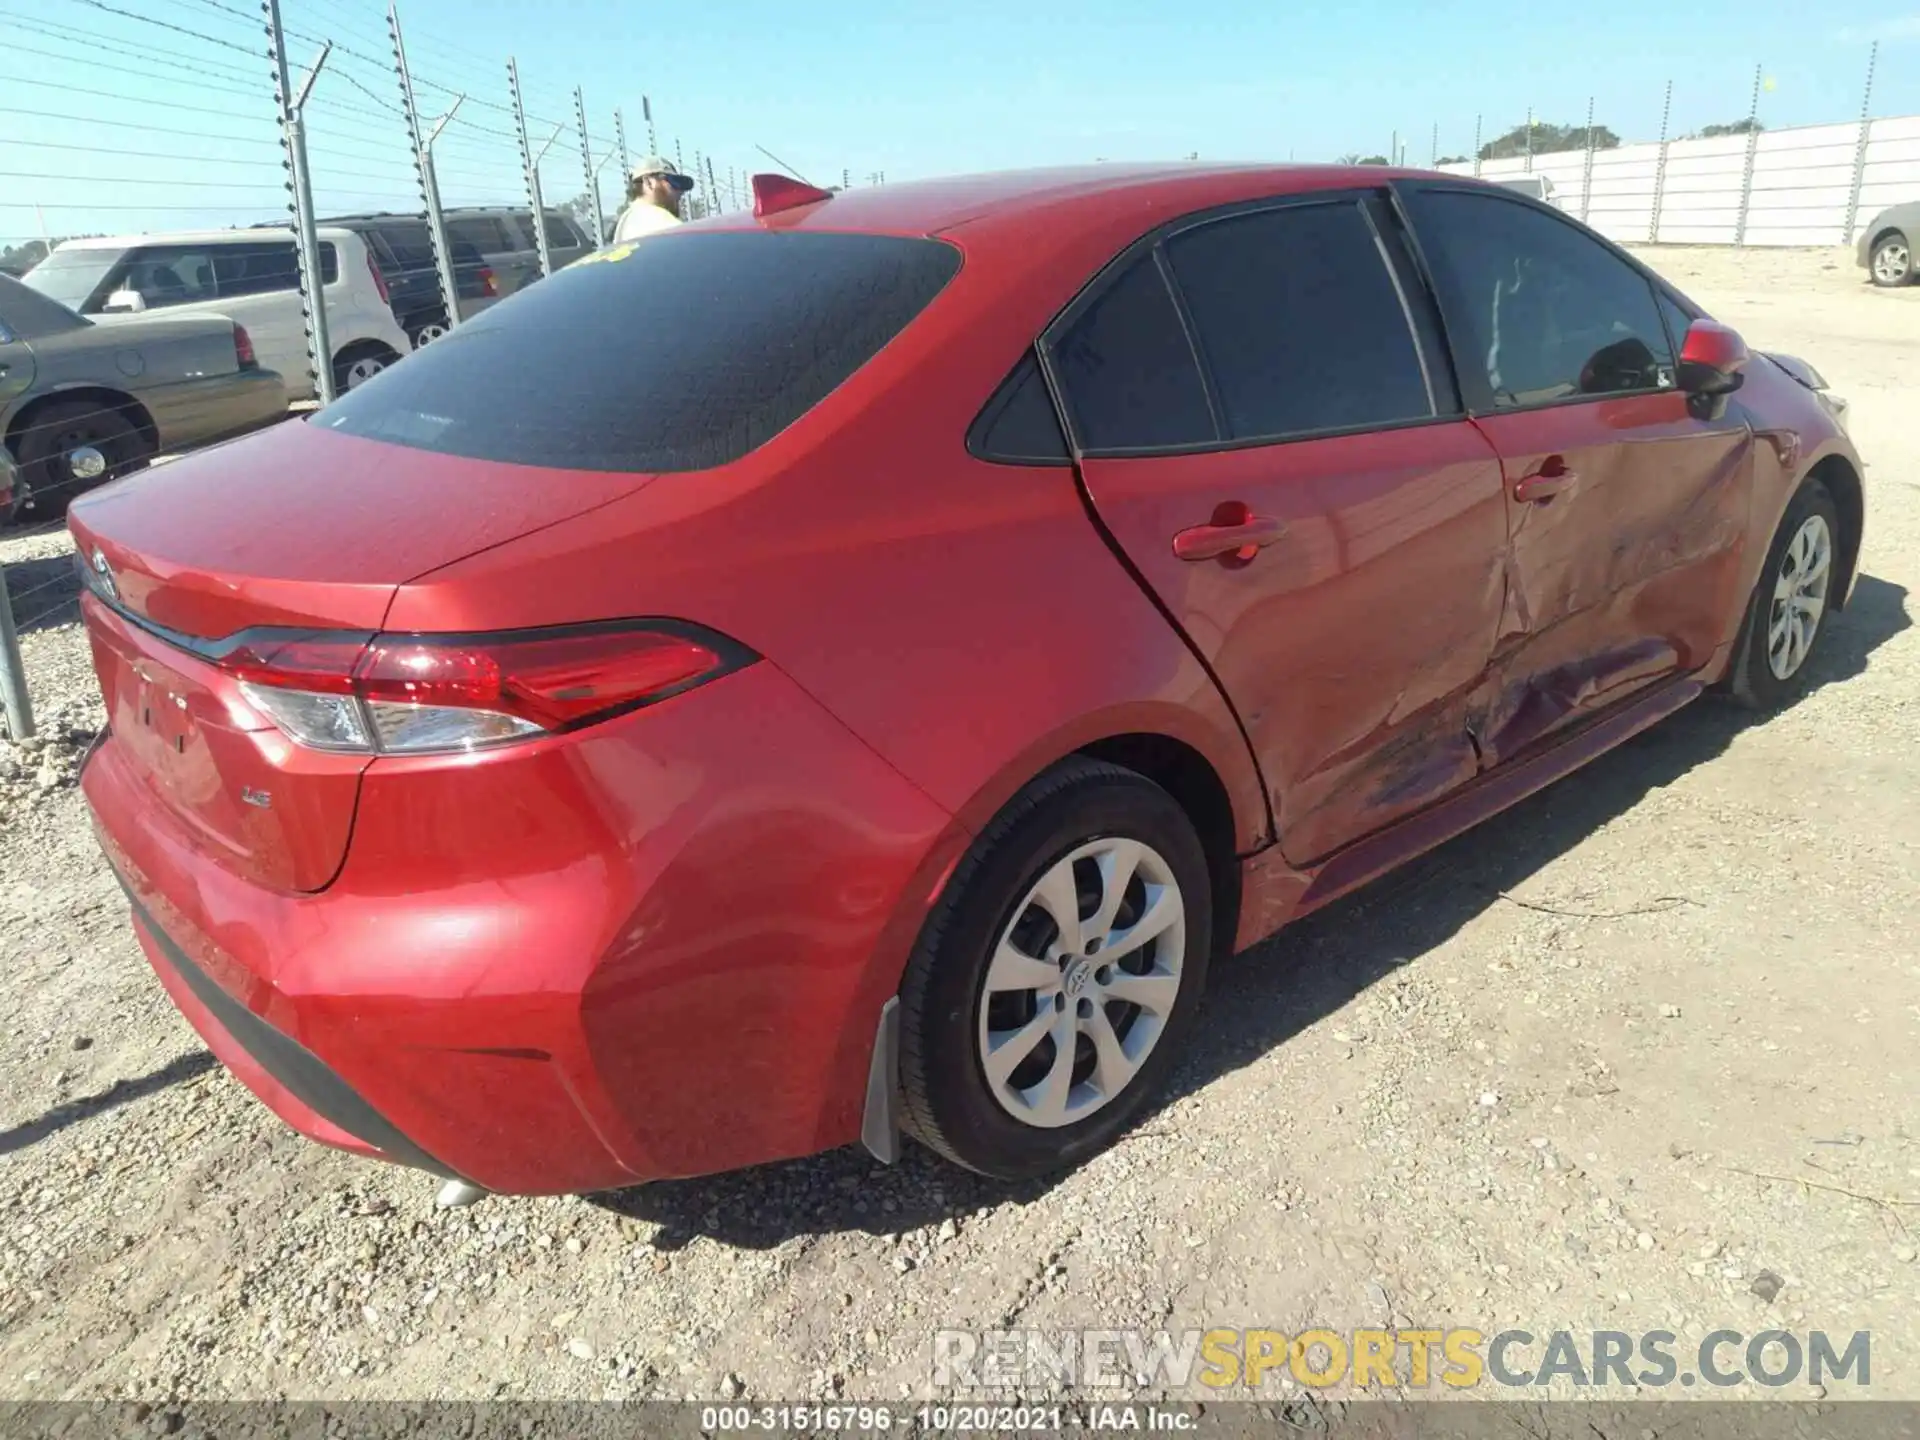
1051 988
357 364
70 448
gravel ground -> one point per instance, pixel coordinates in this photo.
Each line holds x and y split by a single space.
1543 1077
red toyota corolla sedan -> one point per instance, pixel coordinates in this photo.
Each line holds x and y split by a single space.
843 671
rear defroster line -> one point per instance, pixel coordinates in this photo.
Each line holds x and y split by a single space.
304 1075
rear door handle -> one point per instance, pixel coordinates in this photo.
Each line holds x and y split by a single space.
1549 480
1234 536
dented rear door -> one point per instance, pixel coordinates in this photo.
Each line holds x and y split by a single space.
1265 427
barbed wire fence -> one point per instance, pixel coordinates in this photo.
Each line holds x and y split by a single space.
154 118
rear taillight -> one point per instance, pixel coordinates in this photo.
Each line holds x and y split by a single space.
421 694
379 280
487 283
243 349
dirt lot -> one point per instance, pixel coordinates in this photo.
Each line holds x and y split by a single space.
1539 1079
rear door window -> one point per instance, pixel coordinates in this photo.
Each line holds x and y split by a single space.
255 269
1127 371
683 353
1300 322
486 233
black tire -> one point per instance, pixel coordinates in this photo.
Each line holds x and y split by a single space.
359 363
947 1100
1891 263
49 480
1754 681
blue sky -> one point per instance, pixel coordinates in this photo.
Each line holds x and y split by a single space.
166 119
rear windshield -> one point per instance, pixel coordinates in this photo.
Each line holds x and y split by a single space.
681 352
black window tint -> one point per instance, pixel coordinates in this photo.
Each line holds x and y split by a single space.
255 269
171 275
409 247
764 325
329 264
1299 321
483 232
560 233
1019 425
1539 310
1127 371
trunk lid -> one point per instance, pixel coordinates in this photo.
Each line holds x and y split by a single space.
295 527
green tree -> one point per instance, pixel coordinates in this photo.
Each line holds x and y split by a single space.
1547 139
1736 127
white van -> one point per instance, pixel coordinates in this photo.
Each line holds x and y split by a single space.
250 277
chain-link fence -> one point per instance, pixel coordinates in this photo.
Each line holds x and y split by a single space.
153 137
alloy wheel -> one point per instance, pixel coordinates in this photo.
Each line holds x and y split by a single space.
1892 263
1082 982
1799 597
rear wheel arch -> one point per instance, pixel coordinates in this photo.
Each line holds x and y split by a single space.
129 409
1190 778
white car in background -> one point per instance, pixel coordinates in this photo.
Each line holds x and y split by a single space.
248 276
1537 186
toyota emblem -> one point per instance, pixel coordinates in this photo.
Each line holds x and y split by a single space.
105 571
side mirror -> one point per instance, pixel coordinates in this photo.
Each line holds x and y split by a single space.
1712 366
125 302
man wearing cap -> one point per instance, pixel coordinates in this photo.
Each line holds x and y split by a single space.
654 189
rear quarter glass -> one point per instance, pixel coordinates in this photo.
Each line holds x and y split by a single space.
680 353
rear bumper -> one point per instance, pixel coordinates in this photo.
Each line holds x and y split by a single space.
200 412
658 948
294 1082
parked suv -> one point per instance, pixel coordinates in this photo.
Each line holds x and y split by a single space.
504 237
402 248
249 276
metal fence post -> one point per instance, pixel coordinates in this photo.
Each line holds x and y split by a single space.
653 138
586 164
620 143
532 164
1433 151
1586 174
1529 139
1860 148
1746 173
1660 169
713 187
13 673
424 170
293 140
1476 146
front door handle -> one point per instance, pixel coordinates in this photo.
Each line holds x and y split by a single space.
1234 536
1549 480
